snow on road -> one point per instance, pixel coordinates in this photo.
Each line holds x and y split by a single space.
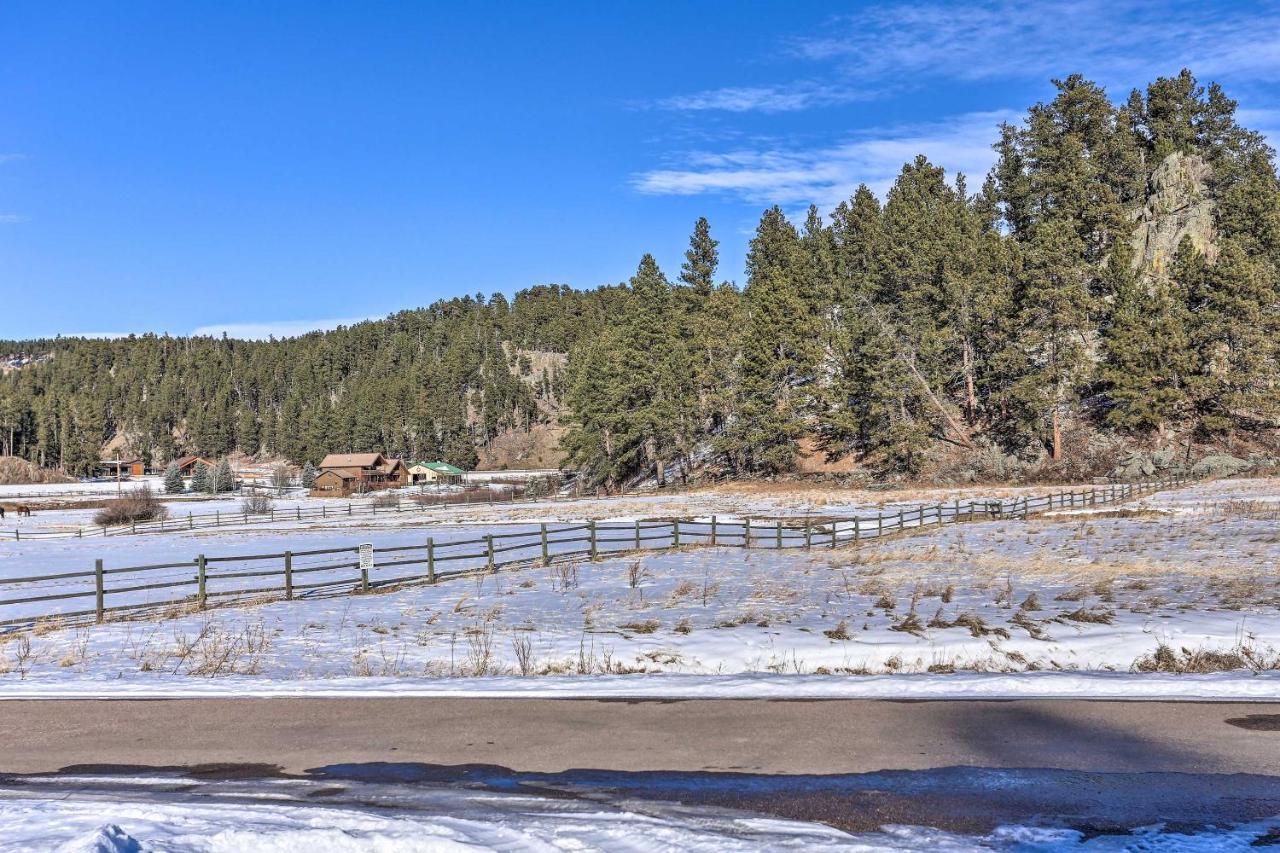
440 820
268 816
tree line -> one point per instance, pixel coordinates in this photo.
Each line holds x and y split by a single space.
948 318
1019 317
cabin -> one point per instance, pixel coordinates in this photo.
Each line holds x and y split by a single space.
344 473
187 464
121 468
435 472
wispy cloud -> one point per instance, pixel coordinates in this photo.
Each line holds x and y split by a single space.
9 158
260 331
12 218
766 99
884 48
1005 39
827 175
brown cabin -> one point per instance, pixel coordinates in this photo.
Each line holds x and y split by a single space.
187 464
344 473
121 468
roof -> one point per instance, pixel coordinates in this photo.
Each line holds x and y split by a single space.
352 460
443 468
184 461
389 465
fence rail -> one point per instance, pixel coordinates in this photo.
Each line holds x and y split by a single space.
418 502
363 568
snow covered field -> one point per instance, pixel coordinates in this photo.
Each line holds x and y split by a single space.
1180 581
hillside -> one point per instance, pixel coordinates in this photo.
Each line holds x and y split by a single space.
1110 289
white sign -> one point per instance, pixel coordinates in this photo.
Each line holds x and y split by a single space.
366 557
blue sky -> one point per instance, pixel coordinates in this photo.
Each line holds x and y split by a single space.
272 167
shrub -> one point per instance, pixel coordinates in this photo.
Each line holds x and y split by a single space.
382 500
139 505
256 503
281 479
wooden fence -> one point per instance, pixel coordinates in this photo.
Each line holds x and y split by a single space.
206 580
414 502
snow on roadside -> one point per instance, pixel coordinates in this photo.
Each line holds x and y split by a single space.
441 820
1165 687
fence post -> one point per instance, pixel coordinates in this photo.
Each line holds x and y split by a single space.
488 544
939 515
288 575
592 527
713 531
857 530
746 536
546 555
808 534
637 534
200 581
431 559
779 535
98 590
675 534
901 519
879 523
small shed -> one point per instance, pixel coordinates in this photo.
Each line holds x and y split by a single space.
435 472
122 468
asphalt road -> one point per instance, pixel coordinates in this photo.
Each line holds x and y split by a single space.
1098 766
536 735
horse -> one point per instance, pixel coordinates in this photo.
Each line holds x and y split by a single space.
1 512
23 509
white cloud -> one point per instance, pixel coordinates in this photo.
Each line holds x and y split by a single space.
766 99
825 176
259 331
1109 40
12 218
887 47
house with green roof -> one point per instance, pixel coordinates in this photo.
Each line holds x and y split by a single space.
434 472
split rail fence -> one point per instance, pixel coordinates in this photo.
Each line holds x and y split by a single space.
274 515
102 591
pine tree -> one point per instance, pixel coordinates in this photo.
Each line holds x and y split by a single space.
1147 348
200 478
779 353
1055 324
173 484
223 479
308 475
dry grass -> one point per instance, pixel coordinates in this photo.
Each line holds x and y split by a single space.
1166 659
646 627
839 632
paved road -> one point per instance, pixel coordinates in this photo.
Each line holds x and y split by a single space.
753 736
857 764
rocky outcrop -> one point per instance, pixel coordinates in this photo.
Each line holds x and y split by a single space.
1178 205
